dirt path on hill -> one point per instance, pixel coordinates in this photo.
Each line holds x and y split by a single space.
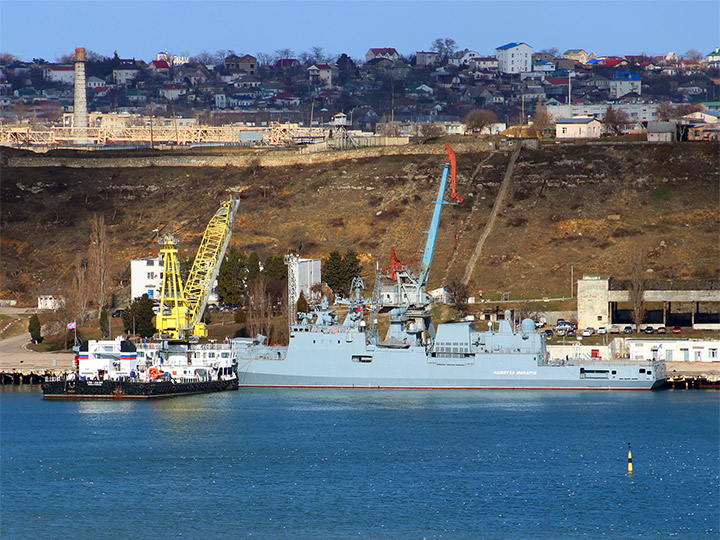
493 214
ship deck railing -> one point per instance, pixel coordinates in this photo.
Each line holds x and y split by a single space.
584 360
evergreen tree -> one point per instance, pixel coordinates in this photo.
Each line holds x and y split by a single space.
253 266
232 277
350 267
302 304
332 270
35 329
140 315
275 267
104 324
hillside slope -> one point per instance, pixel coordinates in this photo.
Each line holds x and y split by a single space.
585 206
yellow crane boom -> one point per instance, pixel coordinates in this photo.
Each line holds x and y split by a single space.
181 308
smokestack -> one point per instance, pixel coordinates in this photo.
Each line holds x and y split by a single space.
80 112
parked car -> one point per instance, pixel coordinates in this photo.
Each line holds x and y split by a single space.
677 330
614 329
649 330
628 330
602 330
661 330
588 332
563 326
118 313
548 333
570 332
562 331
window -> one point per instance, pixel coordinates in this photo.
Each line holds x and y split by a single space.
713 354
599 317
150 262
151 275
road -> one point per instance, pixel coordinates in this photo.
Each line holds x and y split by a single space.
15 355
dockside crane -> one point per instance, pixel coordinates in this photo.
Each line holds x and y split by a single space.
182 307
409 288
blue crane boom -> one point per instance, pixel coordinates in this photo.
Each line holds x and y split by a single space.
429 251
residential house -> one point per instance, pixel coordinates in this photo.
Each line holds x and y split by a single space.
463 58
322 74
485 62
383 52
624 83
713 58
579 55
514 57
159 66
248 63
171 92
664 132
232 62
287 63
615 62
544 67
221 101
94 82
542 57
125 74
578 128
248 83
192 74
427 59
136 96
59 74
418 91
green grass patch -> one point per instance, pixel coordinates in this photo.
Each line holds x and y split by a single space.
661 195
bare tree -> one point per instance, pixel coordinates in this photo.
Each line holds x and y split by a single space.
264 59
97 257
615 121
79 293
431 130
459 294
693 54
479 119
637 287
541 120
281 54
444 46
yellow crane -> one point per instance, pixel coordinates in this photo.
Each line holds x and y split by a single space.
181 308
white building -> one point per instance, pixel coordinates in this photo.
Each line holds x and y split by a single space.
302 275
125 75
578 128
49 301
637 112
60 74
673 350
514 57
625 83
146 277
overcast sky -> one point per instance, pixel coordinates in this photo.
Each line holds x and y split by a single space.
140 29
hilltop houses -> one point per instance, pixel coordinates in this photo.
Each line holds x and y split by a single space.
412 90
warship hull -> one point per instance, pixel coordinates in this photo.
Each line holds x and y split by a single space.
310 363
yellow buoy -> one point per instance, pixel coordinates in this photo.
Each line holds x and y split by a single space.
630 466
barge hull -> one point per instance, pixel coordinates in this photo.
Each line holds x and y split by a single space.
81 389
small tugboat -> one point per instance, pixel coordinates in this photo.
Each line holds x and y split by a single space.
120 370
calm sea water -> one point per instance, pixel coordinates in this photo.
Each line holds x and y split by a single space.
367 464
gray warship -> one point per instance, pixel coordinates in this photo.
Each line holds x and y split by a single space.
325 352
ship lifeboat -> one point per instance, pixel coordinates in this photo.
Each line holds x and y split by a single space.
155 372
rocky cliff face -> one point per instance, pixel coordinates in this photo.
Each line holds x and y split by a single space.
583 206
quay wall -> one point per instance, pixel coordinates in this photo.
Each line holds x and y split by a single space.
263 158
